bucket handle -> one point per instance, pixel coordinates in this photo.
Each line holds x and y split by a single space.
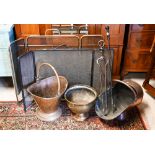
38 71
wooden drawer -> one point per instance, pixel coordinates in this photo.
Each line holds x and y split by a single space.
136 60
140 40
142 27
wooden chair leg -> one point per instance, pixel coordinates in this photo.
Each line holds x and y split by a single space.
149 75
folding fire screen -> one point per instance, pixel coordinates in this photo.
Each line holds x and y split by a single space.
77 64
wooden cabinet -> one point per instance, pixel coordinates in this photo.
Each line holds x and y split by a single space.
137 54
23 30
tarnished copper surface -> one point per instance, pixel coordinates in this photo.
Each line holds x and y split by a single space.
47 92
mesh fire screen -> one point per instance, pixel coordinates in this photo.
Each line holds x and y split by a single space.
78 65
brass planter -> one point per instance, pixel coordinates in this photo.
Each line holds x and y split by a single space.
80 99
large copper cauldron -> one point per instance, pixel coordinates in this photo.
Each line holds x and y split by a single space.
47 94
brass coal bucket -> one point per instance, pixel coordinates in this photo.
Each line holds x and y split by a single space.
47 94
126 94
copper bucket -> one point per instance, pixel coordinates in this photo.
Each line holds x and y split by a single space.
47 94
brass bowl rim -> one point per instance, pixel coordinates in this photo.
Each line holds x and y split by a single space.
80 86
51 97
